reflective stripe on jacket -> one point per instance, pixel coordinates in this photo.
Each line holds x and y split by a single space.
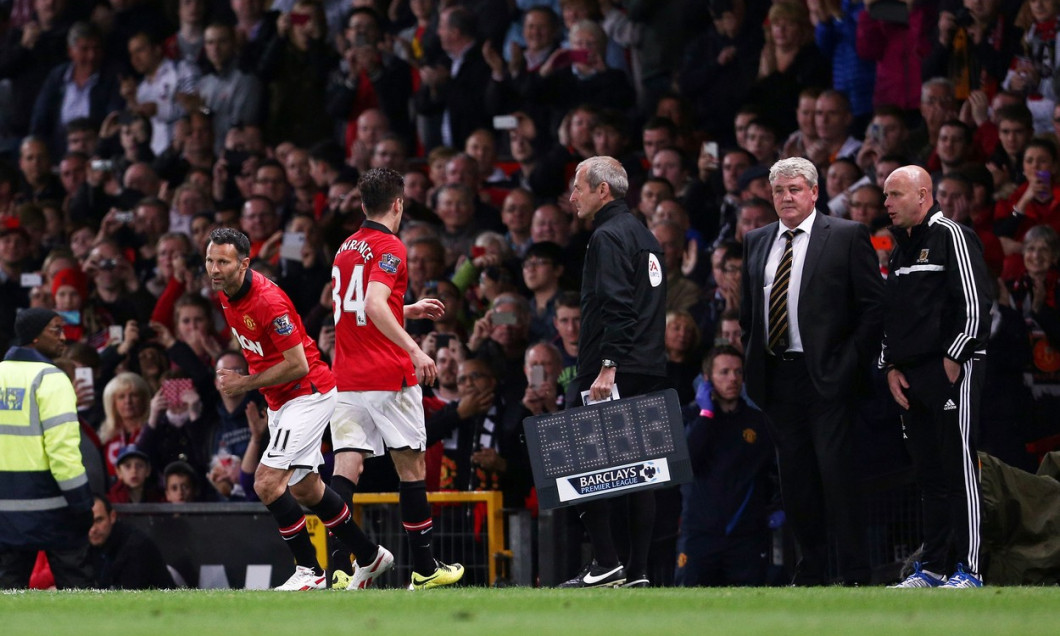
42 477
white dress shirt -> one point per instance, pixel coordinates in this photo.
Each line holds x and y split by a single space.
798 259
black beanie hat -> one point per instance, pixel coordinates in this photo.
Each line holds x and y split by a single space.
31 322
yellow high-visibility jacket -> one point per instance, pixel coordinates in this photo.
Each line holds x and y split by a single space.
42 478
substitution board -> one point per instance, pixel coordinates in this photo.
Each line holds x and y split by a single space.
608 449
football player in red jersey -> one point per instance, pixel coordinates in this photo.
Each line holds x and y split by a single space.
379 368
285 366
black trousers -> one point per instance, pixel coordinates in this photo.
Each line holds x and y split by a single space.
940 430
69 565
815 453
639 506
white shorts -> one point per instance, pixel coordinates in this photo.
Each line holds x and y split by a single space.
373 421
295 433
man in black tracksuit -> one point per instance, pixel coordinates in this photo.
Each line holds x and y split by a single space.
621 343
935 333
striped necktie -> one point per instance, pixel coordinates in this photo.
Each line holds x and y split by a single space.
778 298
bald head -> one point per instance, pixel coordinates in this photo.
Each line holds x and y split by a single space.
907 194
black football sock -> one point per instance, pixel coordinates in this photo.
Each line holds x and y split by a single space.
596 516
291 520
341 557
337 518
641 528
416 517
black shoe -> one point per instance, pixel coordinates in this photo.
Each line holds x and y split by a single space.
639 580
594 575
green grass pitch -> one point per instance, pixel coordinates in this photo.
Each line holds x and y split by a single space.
516 611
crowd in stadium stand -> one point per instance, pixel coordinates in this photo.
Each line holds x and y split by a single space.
129 129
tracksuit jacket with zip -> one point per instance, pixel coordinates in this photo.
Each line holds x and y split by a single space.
939 294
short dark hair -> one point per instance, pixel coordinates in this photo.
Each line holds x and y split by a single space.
1045 144
1018 113
892 158
106 503
181 467
664 123
462 20
965 129
266 201
733 250
151 38
328 152
613 119
756 202
960 178
890 110
720 350
660 181
832 93
763 122
233 237
153 202
569 299
740 151
379 188
546 250
368 11
553 19
80 124
850 162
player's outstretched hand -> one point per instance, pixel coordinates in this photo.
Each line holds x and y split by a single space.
426 371
429 308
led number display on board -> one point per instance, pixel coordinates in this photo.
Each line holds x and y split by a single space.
609 448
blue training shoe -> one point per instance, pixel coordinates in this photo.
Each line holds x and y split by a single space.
920 578
963 579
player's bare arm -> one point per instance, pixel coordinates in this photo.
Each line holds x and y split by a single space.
429 308
293 367
378 311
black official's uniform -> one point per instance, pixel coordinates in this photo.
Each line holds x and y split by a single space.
938 306
623 303
623 320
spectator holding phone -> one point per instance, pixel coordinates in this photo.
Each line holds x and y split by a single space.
117 293
542 366
174 428
501 336
369 73
295 67
579 75
1035 202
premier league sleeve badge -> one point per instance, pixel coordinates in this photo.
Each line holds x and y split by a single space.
283 325
389 263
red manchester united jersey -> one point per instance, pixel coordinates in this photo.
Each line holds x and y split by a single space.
265 323
365 359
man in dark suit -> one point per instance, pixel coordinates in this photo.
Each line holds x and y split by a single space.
811 312
452 85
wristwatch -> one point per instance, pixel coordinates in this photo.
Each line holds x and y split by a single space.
608 364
